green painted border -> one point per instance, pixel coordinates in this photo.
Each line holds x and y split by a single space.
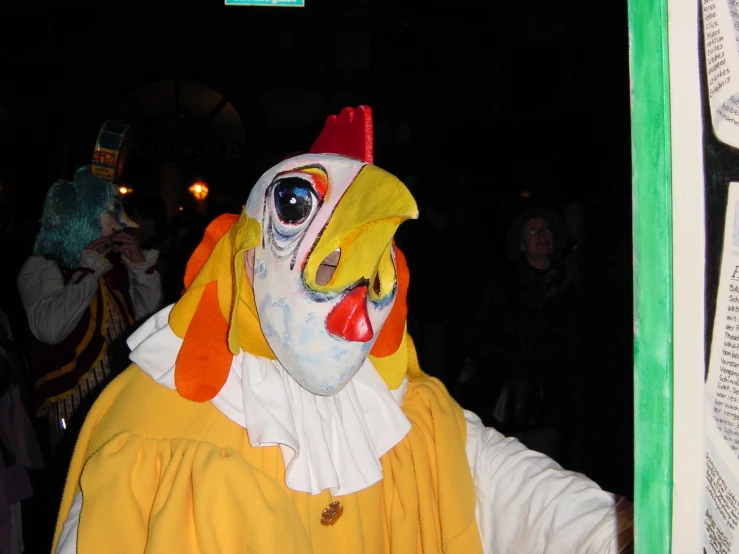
653 315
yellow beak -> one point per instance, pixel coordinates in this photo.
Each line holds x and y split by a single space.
128 222
362 229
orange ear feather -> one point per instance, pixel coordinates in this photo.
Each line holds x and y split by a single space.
204 360
391 334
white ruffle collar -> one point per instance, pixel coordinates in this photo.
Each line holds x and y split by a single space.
327 442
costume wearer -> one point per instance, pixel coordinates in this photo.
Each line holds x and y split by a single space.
278 406
78 302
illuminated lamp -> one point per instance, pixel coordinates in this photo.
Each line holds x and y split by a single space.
199 190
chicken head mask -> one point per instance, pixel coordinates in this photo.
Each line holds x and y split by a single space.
324 274
315 245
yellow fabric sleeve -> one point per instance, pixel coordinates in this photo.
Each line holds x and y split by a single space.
429 494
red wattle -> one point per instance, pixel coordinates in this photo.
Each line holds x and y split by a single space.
349 318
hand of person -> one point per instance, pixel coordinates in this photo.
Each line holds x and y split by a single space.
128 245
101 246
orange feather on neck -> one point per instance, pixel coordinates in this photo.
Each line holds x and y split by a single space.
392 332
204 360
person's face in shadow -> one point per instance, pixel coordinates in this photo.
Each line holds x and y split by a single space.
537 241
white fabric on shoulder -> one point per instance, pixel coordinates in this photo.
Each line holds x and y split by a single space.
527 503
68 538
145 286
327 442
53 308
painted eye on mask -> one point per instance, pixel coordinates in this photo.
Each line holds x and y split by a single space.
294 207
294 200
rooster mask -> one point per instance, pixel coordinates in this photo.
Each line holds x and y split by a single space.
315 244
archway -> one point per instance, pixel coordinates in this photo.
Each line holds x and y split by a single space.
183 131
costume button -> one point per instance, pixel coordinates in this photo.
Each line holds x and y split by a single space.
331 515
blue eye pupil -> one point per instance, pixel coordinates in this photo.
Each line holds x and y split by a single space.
293 200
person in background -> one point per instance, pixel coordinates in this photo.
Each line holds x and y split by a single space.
528 381
19 449
86 283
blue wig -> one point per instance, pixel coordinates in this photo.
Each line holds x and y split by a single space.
71 216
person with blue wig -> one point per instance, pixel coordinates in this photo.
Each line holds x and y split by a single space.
85 285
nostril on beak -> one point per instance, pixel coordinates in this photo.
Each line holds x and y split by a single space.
328 267
376 284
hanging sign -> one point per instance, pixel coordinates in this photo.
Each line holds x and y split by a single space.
111 150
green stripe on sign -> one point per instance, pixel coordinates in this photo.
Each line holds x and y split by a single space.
652 220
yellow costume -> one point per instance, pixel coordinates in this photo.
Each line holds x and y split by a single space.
160 473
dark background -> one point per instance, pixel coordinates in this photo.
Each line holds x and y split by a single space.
515 96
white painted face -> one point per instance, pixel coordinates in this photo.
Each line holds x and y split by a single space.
109 224
114 219
324 276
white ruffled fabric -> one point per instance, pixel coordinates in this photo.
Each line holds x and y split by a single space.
327 442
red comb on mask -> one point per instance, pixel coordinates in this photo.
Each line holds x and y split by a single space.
347 134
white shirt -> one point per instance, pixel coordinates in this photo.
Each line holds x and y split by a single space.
54 308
